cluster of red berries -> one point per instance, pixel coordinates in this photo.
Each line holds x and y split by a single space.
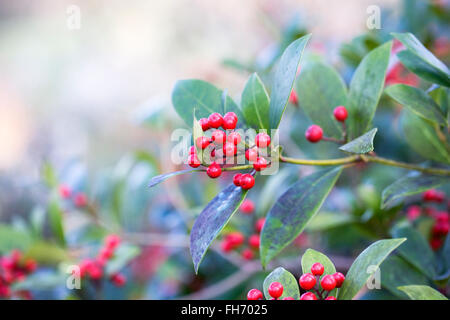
275 291
94 268
225 143
321 286
79 198
14 268
441 219
315 133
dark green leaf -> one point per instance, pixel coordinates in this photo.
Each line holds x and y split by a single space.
422 62
158 179
283 80
201 96
360 272
290 286
416 292
418 101
362 144
409 185
213 219
366 88
320 89
255 103
292 211
312 256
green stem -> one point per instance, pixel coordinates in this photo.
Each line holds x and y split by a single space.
327 162
393 163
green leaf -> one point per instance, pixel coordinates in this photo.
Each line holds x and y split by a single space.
417 292
201 96
328 220
409 185
292 211
46 253
285 73
213 219
312 256
416 250
418 101
290 286
162 177
422 62
362 144
123 256
441 96
366 88
55 215
359 273
255 103
422 137
11 238
320 89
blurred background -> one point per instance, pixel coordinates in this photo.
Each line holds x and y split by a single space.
86 118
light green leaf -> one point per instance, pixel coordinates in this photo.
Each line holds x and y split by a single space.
362 144
290 286
417 292
255 103
55 215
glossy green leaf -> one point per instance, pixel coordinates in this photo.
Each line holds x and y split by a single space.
417 292
255 103
292 211
201 96
422 62
290 285
283 80
122 257
362 144
418 101
55 215
441 96
422 138
162 177
320 89
360 272
213 219
366 88
312 256
409 185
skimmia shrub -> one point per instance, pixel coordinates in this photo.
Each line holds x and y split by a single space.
341 115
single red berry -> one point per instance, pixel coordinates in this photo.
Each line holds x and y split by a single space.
95 271
254 294
308 296
253 241
307 281
328 282
260 224
340 113
340 278
215 120
413 212
293 98
229 149
275 290
202 142
260 164
237 179
317 269
193 161
204 123
192 150
251 154
234 137
330 298
219 136
231 115
229 122
440 228
226 245
80 200
433 195
247 181
64 191
288 298
262 140
112 241
314 133
247 206
214 170
118 279
235 238
247 254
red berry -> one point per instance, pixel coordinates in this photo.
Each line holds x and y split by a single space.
440 228
330 298
202 142
247 206
192 150
247 254
442 217
193 161
317 269
288 298
260 224
229 149
307 281
118 279
293 98
235 238
229 122
204 123
308 296
247 181
234 137
80 199
251 154
340 113
65 191
226 245
433 195
95 271
413 212
219 136
275 290
314 133
237 179
231 115
328 282
105 254
254 294
214 170
262 140
253 241
260 164
436 243
339 277
112 241
215 120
